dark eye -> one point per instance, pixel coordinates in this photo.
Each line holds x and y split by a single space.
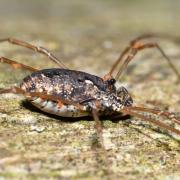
111 81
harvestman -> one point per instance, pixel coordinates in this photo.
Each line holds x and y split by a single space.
71 93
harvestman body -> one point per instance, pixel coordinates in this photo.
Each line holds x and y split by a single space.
71 93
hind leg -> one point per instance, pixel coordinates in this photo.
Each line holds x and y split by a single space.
15 64
39 49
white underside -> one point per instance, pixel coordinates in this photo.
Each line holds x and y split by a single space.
53 108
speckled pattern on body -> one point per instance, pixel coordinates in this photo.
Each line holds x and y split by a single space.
76 87
89 36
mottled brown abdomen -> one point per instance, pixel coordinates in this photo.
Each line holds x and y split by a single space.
71 85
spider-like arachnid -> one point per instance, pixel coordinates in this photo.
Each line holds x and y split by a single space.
71 93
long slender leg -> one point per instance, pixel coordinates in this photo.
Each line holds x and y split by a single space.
103 153
15 64
129 110
98 127
39 49
138 47
126 50
155 35
131 50
157 112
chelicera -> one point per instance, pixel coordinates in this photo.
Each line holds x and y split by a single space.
72 93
